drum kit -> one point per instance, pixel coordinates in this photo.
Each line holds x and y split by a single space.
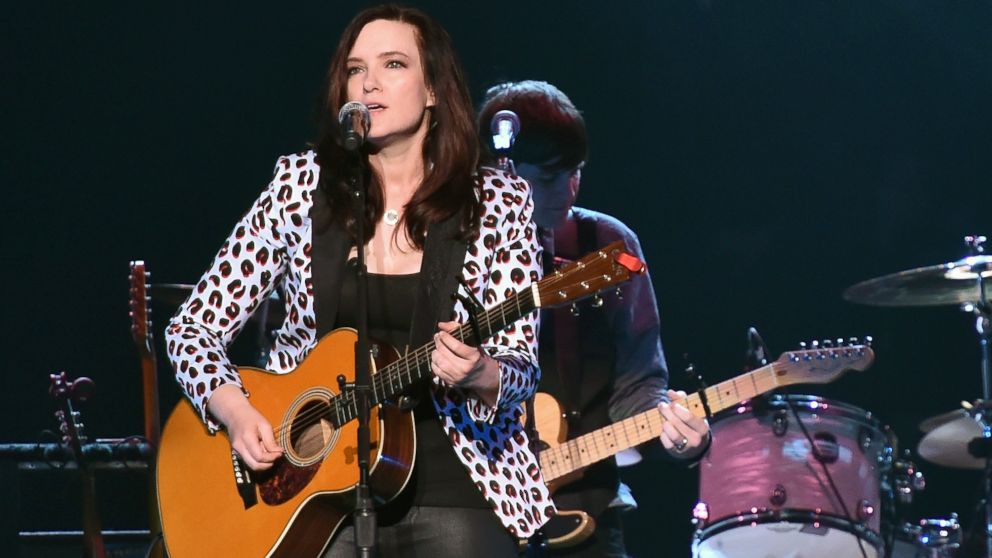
795 476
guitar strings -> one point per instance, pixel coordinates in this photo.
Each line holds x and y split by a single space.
391 372
345 403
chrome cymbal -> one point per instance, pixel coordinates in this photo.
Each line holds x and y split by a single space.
937 285
939 420
946 441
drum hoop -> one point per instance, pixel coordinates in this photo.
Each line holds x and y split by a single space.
789 515
862 417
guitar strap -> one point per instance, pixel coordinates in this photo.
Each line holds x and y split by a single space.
567 323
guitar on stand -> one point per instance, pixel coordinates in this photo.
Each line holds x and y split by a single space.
141 333
71 427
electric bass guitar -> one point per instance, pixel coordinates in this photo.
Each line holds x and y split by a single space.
211 505
563 462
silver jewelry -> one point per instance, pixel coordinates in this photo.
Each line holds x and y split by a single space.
391 217
681 444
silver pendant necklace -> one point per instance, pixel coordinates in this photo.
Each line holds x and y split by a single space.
391 217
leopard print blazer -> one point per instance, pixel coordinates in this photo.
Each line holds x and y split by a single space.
272 243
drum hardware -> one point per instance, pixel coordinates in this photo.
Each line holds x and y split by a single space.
963 283
779 496
865 510
825 448
865 439
927 538
907 480
780 424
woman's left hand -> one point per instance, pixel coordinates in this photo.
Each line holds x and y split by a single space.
458 364
684 434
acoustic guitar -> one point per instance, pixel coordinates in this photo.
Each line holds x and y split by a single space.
211 505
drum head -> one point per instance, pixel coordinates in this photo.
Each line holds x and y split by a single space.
784 540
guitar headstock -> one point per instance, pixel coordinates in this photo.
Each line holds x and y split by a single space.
599 270
141 323
65 392
823 362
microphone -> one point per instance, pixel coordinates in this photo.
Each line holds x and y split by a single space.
355 123
504 126
757 352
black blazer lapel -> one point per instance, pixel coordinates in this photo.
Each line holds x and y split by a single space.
329 256
444 257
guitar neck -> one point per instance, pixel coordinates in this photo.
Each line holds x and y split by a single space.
606 442
393 379
149 380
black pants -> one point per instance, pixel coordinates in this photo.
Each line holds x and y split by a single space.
429 532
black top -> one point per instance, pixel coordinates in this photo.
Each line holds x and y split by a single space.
439 479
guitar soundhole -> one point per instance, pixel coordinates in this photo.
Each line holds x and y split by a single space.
311 434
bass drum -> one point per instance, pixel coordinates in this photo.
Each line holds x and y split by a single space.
764 492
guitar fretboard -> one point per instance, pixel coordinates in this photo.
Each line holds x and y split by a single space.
606 442
391 380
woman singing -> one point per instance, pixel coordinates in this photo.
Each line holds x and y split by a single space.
475 487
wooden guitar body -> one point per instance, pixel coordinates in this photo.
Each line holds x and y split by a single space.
302 500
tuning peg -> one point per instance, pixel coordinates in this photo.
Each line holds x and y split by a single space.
868 340
619 293
814 344
574 309
852 341
828 343
839 342
976 243
597 301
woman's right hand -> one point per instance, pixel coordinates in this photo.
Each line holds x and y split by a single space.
250 433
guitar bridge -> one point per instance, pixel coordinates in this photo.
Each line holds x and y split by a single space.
243 481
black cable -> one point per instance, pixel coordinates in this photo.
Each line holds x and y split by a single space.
826 472
155 541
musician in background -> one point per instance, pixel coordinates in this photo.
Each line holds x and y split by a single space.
606 363
476 486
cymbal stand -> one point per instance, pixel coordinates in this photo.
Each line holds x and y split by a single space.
983 325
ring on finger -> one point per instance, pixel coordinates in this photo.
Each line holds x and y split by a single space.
681 444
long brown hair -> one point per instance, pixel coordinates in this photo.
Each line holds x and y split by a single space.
451 151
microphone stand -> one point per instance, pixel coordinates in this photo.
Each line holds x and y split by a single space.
364 516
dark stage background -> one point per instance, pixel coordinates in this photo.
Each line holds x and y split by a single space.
768 154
